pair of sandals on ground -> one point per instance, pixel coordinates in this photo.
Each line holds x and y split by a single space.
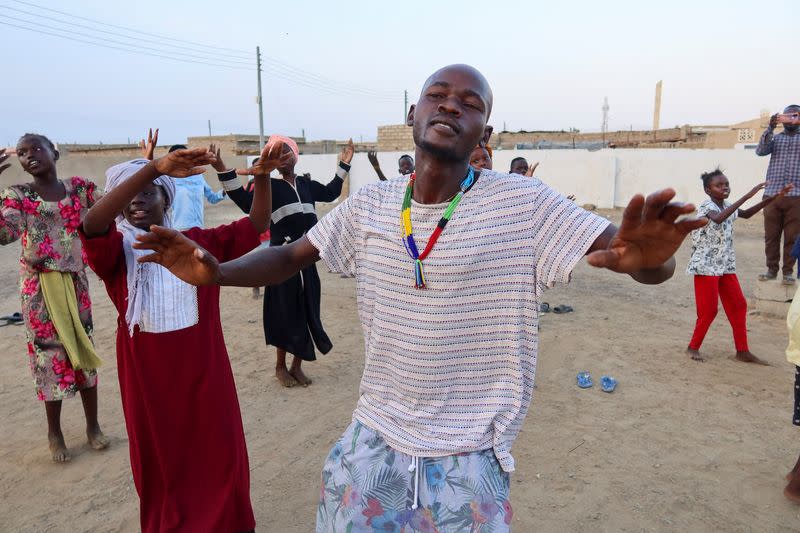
544 307
607 383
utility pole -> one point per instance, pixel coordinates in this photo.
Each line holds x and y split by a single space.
405 106
209 129
258 99
604 126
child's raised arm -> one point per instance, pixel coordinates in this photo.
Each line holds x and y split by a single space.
261 209
179 164
747 213
719 216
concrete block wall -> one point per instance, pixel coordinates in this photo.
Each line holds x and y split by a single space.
396 137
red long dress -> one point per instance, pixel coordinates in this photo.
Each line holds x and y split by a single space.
187 446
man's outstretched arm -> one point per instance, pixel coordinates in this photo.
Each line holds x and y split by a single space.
191 263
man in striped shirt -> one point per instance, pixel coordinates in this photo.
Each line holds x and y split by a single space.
781 217
449 368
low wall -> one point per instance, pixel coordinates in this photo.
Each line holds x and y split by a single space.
606 178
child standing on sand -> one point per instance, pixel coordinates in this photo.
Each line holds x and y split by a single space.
45 215
187 445
713 263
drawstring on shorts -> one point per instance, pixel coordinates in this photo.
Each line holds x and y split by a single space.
416 467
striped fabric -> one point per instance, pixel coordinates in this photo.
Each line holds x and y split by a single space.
450 368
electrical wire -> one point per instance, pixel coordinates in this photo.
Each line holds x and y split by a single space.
291 72
273 66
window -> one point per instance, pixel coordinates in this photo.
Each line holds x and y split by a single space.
747 136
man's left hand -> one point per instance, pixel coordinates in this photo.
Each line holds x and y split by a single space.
649 235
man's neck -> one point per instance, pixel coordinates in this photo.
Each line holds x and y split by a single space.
437 181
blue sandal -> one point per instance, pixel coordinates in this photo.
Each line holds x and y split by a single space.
608 383
584 380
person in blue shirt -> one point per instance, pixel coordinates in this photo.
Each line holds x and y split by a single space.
187 212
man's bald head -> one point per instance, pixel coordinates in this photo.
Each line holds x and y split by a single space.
479 83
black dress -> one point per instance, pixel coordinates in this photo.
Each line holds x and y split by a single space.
292 309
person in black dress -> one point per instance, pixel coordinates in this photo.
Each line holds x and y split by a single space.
292 320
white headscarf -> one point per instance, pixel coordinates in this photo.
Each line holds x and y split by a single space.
158 301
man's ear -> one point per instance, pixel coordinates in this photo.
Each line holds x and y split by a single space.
410 117
487 134
56 155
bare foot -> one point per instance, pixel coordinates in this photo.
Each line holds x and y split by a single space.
695 355
58 448
97 440
792 490
286 379
301 378
747 357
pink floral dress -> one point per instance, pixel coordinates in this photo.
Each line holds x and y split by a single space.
50 242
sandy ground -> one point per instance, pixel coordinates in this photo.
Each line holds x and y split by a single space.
681 446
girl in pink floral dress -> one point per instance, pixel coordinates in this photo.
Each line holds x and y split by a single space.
45 215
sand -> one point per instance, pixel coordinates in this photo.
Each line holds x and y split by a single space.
680 446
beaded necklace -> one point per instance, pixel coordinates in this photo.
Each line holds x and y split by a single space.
408 232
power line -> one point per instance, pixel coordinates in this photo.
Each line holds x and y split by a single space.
136 46
223 57
319 79
291 73
120 48
244 52
277 68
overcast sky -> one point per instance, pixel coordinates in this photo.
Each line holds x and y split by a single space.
338 69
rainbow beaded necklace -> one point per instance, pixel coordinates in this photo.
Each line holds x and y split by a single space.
408 232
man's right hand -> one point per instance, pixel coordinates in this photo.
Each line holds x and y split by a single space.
773 121
180 255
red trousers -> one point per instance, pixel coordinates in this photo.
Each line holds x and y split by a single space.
708 290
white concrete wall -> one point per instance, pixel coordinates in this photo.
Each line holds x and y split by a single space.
606 178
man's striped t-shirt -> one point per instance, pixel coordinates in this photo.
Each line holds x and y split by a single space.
450 368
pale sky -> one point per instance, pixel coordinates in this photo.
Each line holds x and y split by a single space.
549 63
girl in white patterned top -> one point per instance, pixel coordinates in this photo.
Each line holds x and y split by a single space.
713 264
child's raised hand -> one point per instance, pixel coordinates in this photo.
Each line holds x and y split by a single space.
755 189
179 254
184 163
649 235
148 148
271 157
218 165
531 170
3 157
347 152
372 155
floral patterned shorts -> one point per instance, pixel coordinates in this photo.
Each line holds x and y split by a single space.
368 487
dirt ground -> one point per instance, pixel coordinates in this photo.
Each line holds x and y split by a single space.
680 446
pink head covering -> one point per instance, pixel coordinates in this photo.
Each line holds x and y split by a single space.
275 139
